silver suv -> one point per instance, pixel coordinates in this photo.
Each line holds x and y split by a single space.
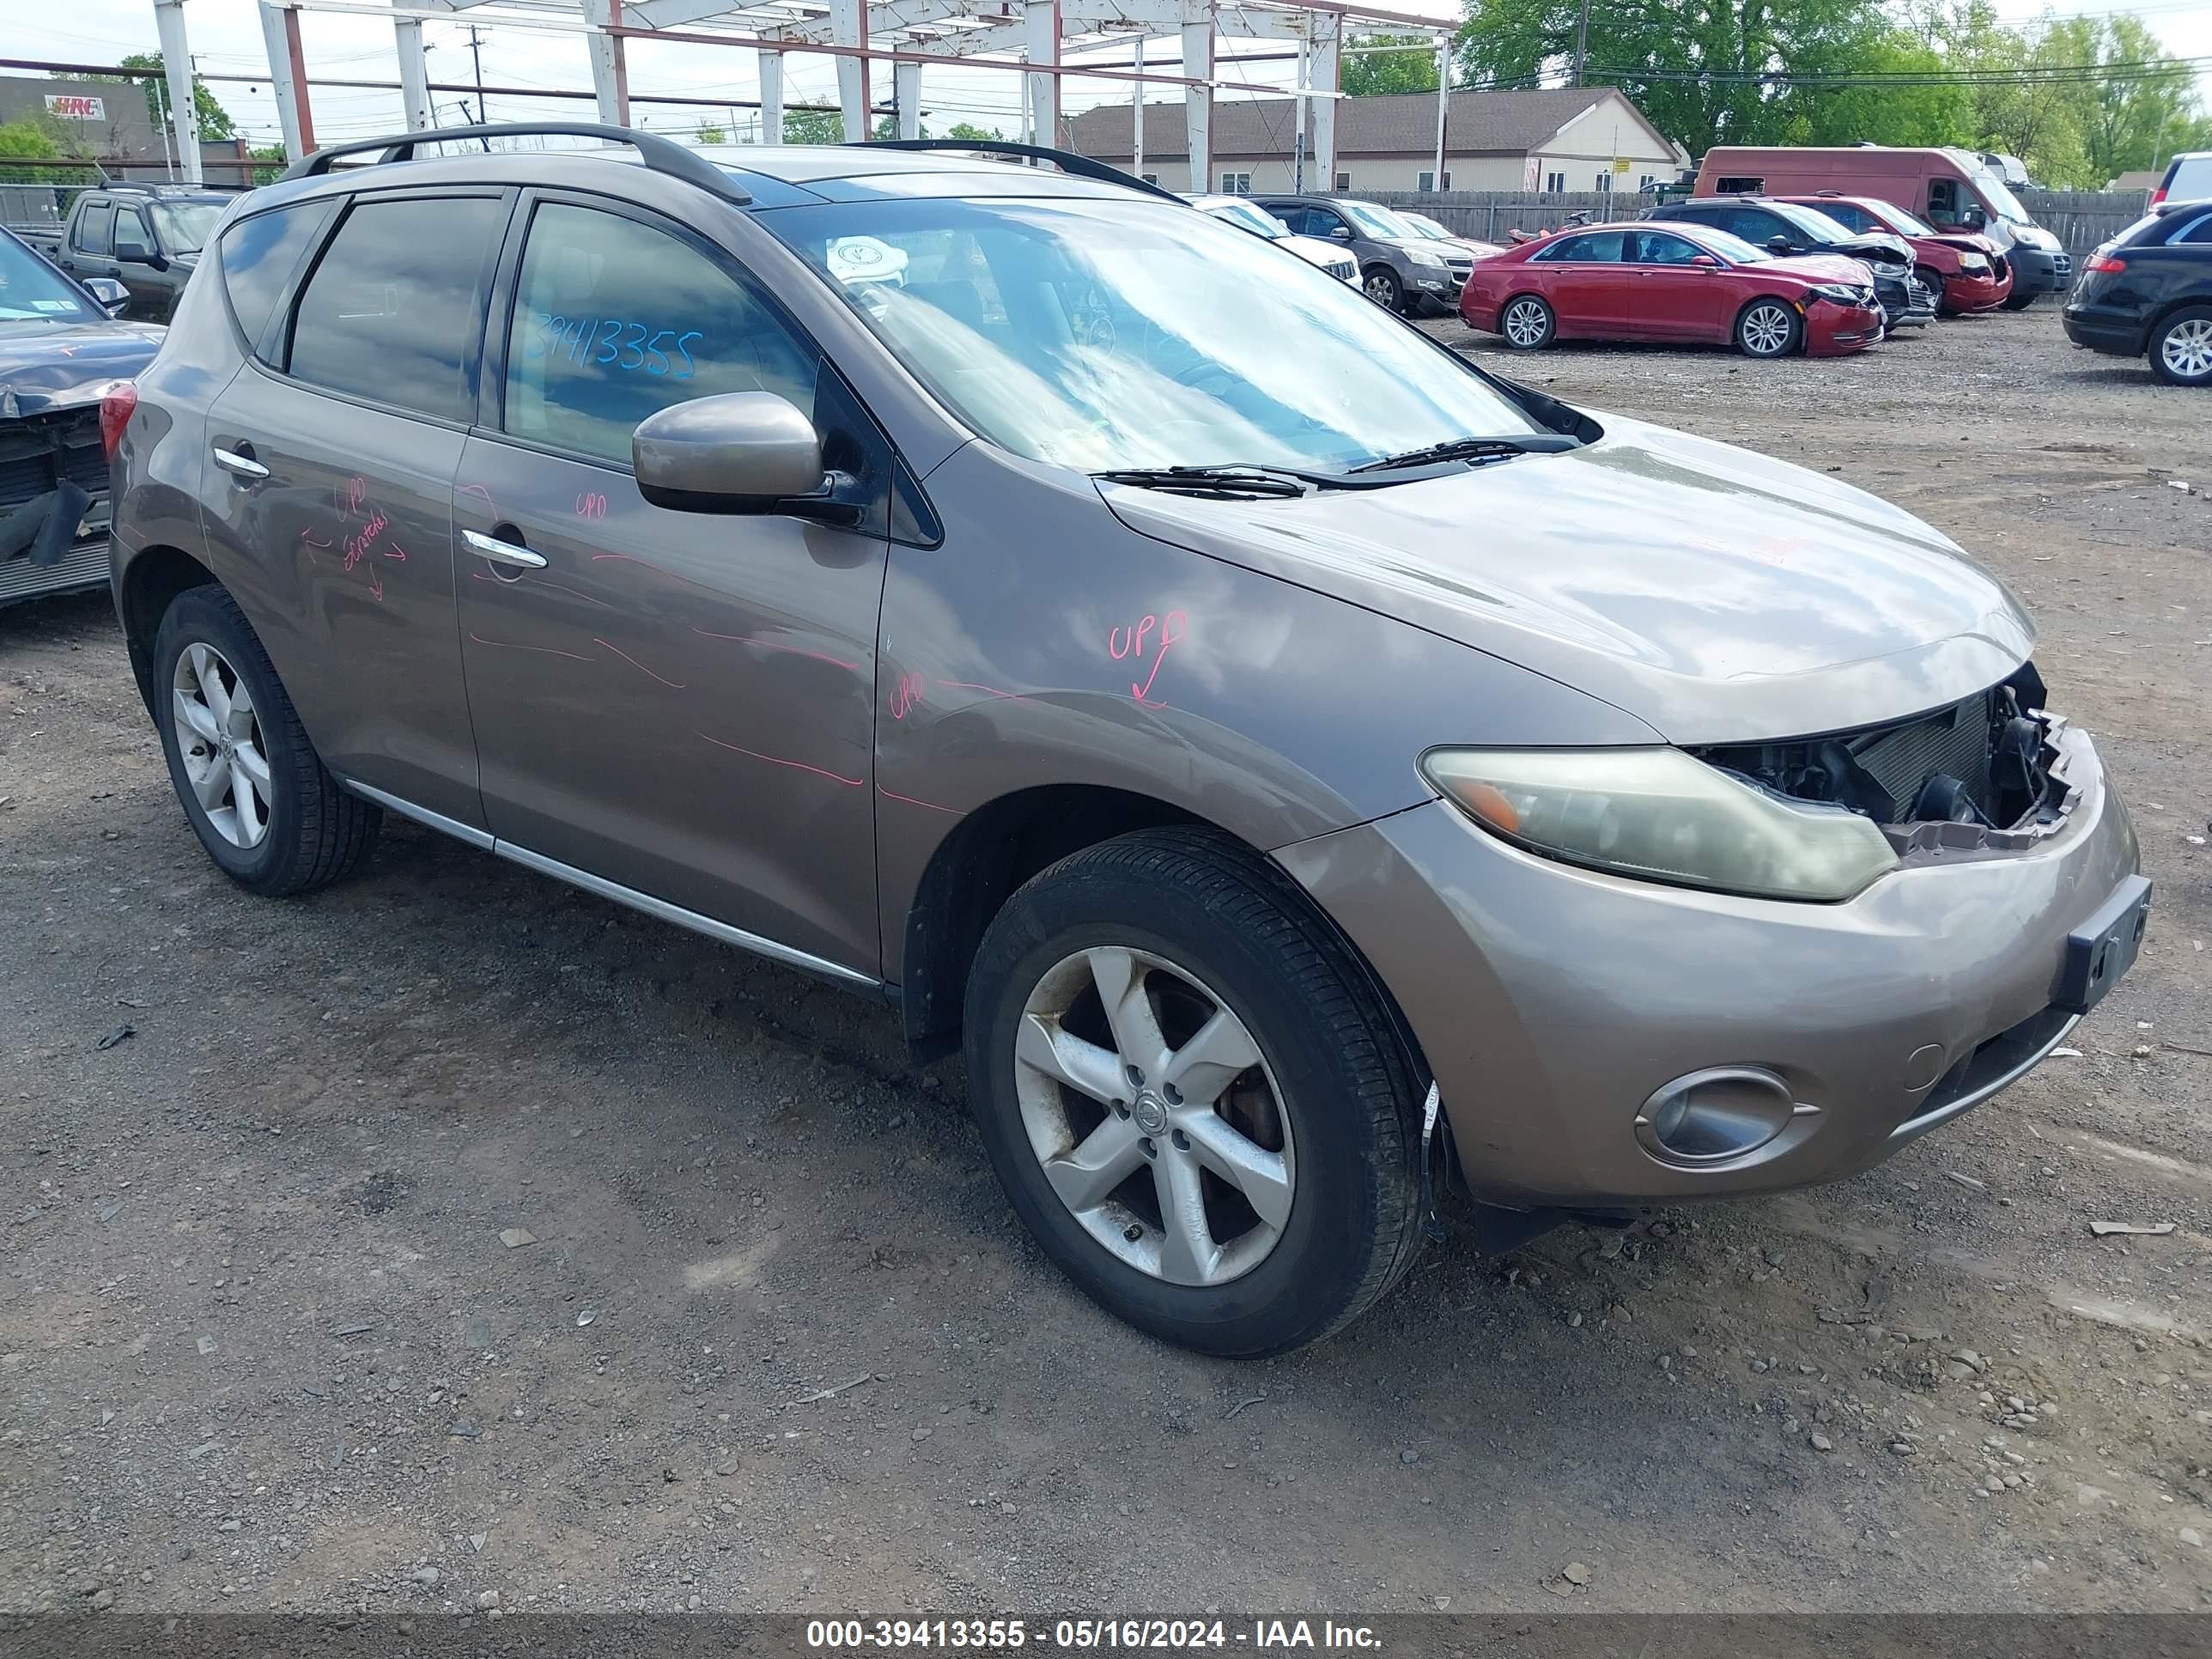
1401 267
1311 780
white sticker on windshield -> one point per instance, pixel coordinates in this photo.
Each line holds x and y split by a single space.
51 304
855 259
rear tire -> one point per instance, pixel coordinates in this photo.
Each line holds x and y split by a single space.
1528 323
1769 328
1295 1144
2181 347
252 787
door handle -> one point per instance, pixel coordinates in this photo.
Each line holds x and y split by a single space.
240 461
499 552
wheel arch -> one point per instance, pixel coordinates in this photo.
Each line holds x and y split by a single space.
150 583
2158 318
1516 295
1793 307
1000 846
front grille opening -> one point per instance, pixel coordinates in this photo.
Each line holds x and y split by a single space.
1984 763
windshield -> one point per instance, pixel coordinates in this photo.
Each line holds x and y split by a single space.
1426 226
185 227
1380 222
1102 334
1905 222
1731 247
1816 224
1993 190
31 290
1245 216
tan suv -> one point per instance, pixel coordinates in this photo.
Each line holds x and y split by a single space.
1303 771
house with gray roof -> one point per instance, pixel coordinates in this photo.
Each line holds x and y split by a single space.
1568 138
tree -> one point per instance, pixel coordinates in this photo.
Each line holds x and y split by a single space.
215 122
2130 119
709 133
28 138
1362 74
969 130
813 126
888 127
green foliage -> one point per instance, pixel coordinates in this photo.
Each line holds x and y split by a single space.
968 130
709 133
1797 72
270 163
887 127
813 126
1369 72
29 138
214 120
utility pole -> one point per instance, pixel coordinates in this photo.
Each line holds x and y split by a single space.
476 59
1581 43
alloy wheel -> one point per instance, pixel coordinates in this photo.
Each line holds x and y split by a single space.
218 735
1144 1098
1766 331
1525 324
1382 288
2187 349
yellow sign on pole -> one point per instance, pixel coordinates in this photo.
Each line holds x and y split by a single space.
1621 164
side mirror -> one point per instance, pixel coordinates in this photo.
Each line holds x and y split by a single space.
131 253
1706 262
738 452
1340 233
1975 218
1777 245
113 297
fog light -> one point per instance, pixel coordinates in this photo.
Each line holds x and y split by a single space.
1714 1115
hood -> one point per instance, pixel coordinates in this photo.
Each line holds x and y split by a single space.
1314 251
44 366
1966 242
1428 245
1877 244
1716 595
1819 268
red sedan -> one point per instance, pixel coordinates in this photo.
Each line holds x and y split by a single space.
1671 282
1968 272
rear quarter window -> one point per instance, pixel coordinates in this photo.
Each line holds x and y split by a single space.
260 255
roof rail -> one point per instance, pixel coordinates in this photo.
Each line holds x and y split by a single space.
1067 160
659 154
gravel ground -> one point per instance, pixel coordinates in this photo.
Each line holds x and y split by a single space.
450 1234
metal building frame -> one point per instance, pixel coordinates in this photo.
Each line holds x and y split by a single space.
1033 38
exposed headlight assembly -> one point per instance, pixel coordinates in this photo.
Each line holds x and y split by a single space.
1842 293
1972 261
1660 815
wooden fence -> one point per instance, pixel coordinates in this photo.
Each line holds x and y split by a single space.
2080 219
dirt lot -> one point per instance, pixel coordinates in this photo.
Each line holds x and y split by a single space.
778 1344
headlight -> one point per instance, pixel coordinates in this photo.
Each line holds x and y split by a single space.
1421 256
1972 261
1661 815
1840 293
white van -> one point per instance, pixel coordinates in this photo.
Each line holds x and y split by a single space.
2188 178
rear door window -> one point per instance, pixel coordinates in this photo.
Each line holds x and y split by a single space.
1593 248
1656 248
1850 216
394 307
2198 233
259 258
614 321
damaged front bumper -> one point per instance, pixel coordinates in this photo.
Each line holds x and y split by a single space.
1565 1013
53 504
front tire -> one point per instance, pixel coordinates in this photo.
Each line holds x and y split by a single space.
1381 284
2181 347
1191 1096
1768 328
2017 301
252 787
1526 323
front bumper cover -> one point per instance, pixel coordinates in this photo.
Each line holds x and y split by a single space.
1551 1002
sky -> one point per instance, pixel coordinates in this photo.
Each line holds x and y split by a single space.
226 38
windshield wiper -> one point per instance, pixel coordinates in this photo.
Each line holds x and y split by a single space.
1475 449
1221 482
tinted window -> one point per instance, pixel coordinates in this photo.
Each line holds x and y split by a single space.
1598 248
260 255
2195 233
1653 248
130 231
1849 217
95 232
1751 224
392 309
614 321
